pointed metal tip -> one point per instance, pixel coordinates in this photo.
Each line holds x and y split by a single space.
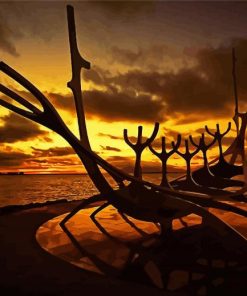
69 6
70 9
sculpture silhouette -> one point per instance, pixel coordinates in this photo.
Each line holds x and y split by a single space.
139 199
204 176
164 156
223 168
188 183
205 181
140 146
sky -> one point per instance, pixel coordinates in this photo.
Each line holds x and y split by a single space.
153 61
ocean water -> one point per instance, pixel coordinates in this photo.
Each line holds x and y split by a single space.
25 189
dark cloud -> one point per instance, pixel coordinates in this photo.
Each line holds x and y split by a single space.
109 148
16 129
125 56
38 161
113 105
194 117
201 92
139 81
127 164
216 64
56 151
200 130
96 75
196 139
13 158
191 94
171 134
28 96
7 38
212 129
187 91
154 56
34 18
122 9
227 141
65 102
124 163
156 144
131 138
198 93
56 162
63 162
119 106
109 136
47 139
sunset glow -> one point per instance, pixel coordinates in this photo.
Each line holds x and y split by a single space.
150 61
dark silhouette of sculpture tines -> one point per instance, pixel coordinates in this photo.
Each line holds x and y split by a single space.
222 168
138 199
216 176
164 156
140 146
204 176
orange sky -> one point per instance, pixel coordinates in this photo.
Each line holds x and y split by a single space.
151 61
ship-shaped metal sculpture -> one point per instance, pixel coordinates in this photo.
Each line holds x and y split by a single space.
135 197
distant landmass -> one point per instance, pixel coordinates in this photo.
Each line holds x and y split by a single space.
11 173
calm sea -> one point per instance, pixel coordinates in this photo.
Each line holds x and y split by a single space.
25 189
